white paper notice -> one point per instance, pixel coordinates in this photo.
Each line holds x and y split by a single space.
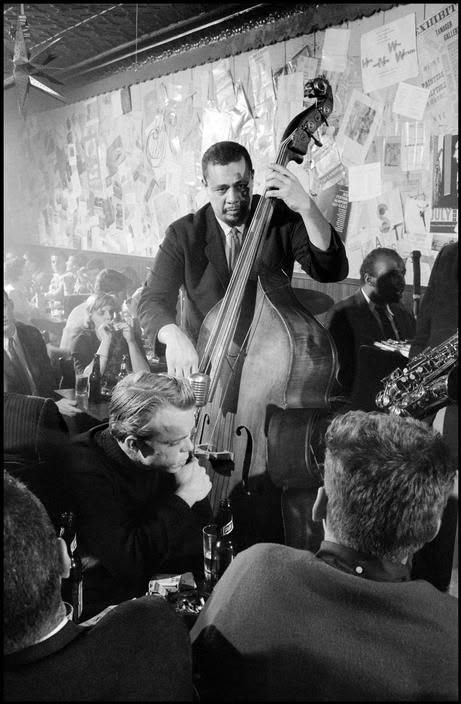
388 54
365 181
290 92
410 101
216 127
414 146
334 51
358 128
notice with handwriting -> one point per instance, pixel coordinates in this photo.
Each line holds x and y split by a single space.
388 54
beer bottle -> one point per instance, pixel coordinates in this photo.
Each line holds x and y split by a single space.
123 368
224 544
72 586
94 382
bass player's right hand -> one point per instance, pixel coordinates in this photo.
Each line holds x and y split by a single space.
181 355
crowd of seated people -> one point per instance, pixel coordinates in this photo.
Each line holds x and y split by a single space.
141 500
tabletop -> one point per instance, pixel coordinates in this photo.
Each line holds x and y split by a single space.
100 411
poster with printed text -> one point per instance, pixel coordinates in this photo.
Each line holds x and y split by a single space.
388 54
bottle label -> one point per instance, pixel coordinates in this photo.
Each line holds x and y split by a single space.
227 527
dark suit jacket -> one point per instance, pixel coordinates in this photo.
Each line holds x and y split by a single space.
38 362
139 651
352 324
35 449
192 255
438 316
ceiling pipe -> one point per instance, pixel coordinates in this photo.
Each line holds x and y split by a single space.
151 35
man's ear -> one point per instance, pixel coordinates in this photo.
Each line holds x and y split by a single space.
64 558
130 445
319 509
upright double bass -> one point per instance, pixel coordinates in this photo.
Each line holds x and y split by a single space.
263 354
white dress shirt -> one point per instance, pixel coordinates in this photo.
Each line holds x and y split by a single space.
227 236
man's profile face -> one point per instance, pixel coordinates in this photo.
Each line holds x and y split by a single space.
171 442
230 188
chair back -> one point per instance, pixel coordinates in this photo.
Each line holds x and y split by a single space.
67 373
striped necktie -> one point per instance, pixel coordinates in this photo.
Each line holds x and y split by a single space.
19 366
235 247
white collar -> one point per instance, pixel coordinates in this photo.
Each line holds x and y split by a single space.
371 303
227 228
60 625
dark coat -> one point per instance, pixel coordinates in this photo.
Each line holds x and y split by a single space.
139 651
129 520
38 362
35 449
438 316
284 625
351 324
192 255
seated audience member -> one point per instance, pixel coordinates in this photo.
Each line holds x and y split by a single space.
26 365
16 286
107 281
345 624
38 275
140 503
139 651
27 368
61 283
38 271
372 314
74 263
86 279
437 321
36 449
133 278
110 339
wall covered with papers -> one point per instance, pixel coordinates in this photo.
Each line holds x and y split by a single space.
111 172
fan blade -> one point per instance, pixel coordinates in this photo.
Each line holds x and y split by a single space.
46 89
43 74
50 57
44 48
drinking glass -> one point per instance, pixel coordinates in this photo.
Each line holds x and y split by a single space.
81 390
210 558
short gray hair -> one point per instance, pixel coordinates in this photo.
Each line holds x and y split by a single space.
137 397
387 479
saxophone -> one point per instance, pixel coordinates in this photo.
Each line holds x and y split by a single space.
422 387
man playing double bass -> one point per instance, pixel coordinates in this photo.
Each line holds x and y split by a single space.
197 252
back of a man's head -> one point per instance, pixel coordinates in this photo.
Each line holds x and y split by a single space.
139 396
387 479
31 567
111 281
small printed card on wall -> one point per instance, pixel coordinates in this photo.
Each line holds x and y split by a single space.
125 99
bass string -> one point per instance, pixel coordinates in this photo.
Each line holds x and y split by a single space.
226 321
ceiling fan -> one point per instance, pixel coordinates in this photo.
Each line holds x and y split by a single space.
27 65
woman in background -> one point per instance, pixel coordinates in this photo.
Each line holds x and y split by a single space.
110 336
